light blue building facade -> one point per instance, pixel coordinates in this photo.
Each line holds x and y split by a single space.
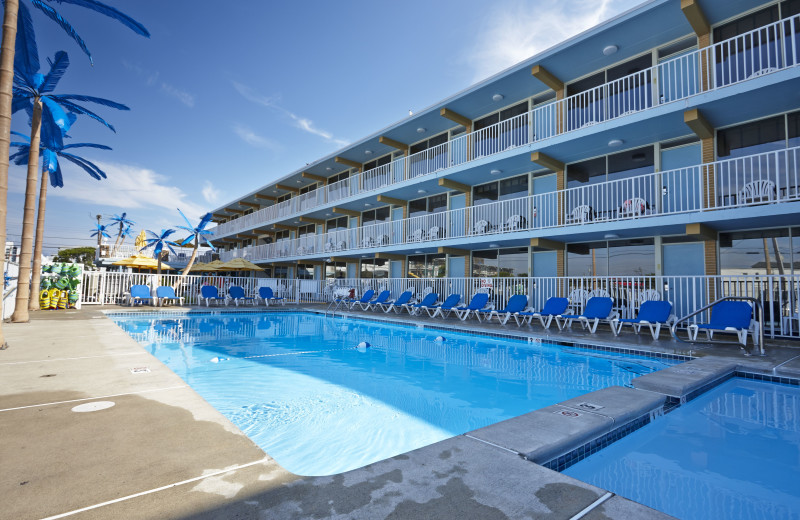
659 151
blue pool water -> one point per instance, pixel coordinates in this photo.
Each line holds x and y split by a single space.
296 384
732 453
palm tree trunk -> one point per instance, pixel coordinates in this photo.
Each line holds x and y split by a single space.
118 237
6 81
24 281
36 274
185 272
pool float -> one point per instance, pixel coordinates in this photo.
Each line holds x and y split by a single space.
54 295
62 282
62 300
44 299
73 298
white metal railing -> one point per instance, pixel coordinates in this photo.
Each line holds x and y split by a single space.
769 177
779 294
121 251
756 53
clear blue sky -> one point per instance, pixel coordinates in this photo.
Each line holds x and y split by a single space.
226 97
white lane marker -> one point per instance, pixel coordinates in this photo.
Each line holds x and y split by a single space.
94 398
593 505
71 358
156 490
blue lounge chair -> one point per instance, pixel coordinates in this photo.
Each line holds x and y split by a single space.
652 313
367 296
477 303
598 309
236 294
396 305
382 297
554 306
167 294
140 294
728 316
266 294
428 300
209 293
447 305
516 303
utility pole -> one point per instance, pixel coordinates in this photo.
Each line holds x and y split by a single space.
99 234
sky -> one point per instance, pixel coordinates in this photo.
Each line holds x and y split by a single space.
226 99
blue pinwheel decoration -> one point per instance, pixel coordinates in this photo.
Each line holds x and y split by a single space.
197 235
158 242
121 221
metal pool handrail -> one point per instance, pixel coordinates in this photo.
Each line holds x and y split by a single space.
756 303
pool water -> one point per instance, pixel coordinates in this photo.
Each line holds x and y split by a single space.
732 453
297 385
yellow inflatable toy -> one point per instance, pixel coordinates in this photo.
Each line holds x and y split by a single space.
54 295
62 301
44 299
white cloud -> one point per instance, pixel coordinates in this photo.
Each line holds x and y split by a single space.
151 80
253 139
523 28
127 187
302 123
181 95
210 193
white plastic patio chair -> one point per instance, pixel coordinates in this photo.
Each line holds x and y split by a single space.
757 191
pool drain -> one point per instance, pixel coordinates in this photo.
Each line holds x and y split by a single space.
93 407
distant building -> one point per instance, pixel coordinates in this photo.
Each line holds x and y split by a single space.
12 252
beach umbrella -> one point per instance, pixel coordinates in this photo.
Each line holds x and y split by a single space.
238 264
198 267
214 265
141 262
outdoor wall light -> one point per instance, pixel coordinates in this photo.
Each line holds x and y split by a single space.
299 181
494 245
421 130
498 97
367 152
666 287
610 235
367 204
664 191
608 50
422 191
327 214
328 169
274 191
417 252
496 172
615 142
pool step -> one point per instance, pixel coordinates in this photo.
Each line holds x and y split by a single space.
544 435
685 381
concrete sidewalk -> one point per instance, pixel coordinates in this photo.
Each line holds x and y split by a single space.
162 452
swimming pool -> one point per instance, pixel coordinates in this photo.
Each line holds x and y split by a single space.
297 385
732 453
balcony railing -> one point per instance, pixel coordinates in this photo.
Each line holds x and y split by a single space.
753 54
766 178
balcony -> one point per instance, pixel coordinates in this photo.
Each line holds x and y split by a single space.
767 178
762 51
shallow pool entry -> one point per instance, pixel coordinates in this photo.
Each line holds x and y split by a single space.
326 395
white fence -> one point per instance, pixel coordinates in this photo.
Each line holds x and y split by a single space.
780 295
745 181
761 51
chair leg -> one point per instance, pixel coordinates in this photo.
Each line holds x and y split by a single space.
593 325
504 319
614 328
655 330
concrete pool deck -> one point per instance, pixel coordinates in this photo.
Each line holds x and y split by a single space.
162 452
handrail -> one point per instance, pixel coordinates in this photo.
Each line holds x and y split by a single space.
755 301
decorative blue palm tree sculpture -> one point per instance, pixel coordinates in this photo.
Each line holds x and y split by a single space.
33 92
157 242
198 235
98 7
125 234
100 233
121 221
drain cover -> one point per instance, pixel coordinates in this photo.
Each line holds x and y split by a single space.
93 407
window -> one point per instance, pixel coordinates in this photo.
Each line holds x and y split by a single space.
587 259
386 159
375 215
794 128
428 143
310 187
338 177
378 268
514 187
426 266
284 197
432 204
283 235
746 23
336 270
746 55
484 194
310 229
305 271
335 224
635 257
767 251
509 262
752 138
586 172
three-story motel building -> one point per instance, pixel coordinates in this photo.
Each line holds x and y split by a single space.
659 151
